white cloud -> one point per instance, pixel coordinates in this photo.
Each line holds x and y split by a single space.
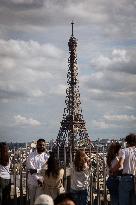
102 124
129 118
22 49
37 93
59 90
24 121
118 57
27 68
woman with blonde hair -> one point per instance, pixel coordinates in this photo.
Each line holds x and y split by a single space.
80 178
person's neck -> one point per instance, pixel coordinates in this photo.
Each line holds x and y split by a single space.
39 152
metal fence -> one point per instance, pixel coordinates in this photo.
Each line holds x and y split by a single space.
98 193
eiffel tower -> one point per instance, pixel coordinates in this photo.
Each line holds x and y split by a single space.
72 132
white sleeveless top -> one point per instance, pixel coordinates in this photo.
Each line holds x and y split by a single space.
79 180
129 157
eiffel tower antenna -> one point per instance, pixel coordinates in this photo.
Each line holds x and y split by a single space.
72 23
73 130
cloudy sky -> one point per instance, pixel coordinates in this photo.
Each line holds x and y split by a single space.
33 66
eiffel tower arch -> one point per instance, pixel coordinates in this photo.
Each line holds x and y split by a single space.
72 132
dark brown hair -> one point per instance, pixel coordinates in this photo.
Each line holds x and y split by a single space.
131 139
62 198
112 152
4 155
53 166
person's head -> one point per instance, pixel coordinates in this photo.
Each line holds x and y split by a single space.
113 151
44 199
80 160
53 165
4 155
131 140
65 199
40 146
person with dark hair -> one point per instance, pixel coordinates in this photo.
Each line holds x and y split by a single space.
53 179
127 192
80 178
35 163
65 199
5 181
113 179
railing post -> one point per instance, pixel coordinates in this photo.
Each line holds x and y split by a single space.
65 168
58 153
26 184
104 179
15 191
70 154
20 172
21 185
91 178
98 185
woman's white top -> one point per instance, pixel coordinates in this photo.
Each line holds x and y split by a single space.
79 180
4 171
129 157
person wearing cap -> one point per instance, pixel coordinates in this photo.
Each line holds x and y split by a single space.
44 199
35 163
127 159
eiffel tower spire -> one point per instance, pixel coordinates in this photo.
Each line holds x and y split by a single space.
72 23
72 130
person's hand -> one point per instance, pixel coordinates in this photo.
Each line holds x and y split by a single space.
33 171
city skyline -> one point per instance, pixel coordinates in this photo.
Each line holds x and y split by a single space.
34 63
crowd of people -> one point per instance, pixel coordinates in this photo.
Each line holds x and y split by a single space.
45 176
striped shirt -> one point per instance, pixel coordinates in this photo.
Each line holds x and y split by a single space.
129 157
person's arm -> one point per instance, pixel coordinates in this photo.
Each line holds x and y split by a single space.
29 162
118 165
30 166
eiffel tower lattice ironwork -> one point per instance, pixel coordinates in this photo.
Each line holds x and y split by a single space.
72 131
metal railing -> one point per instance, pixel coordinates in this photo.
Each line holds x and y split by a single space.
98 193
